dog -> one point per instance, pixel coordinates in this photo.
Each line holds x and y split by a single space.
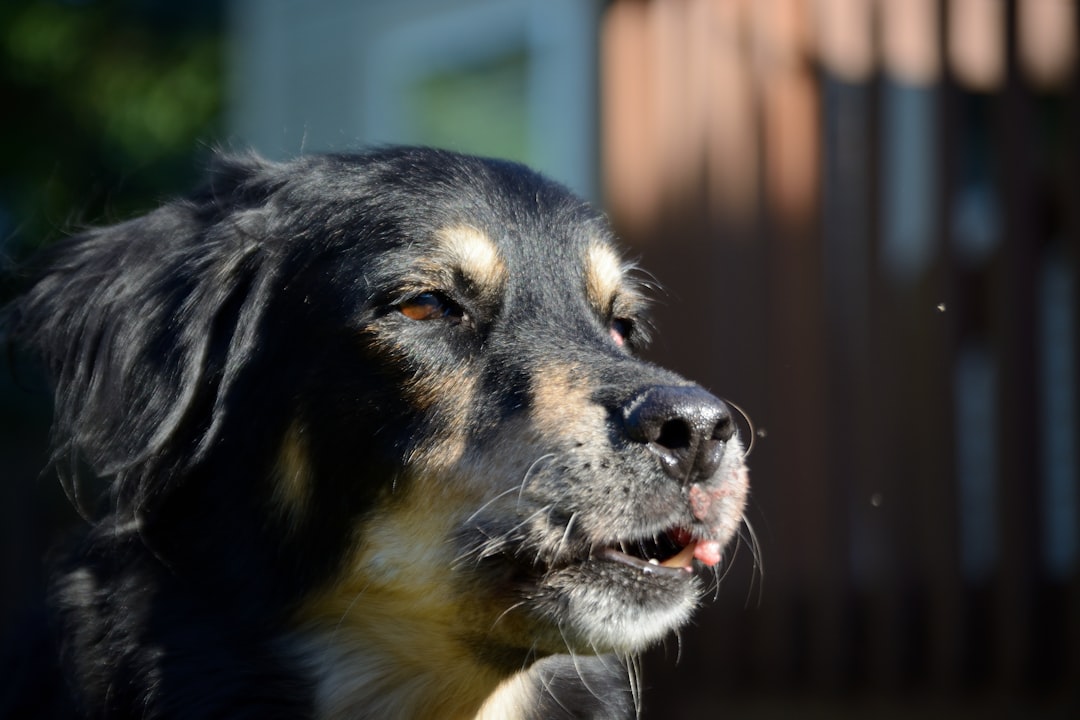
375 442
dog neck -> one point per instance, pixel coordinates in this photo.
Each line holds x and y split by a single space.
356 682
382 668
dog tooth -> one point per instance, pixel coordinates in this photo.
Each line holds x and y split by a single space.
654 561
682 559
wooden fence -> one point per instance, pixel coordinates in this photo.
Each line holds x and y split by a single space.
867 217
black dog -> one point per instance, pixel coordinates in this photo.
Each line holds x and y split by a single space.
377 445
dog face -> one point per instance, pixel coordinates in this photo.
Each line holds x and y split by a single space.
392 403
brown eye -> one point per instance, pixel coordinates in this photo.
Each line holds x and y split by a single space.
430 306
620 330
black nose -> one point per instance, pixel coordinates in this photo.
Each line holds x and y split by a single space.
685 426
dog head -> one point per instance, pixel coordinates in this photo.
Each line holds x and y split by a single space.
391 398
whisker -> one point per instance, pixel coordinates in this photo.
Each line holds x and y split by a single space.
749 423
759 567
506 612
494 544
485 506
549 688
530 656
348 610
529 470
574 658
632 664
565 539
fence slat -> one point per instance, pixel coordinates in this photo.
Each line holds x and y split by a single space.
879 231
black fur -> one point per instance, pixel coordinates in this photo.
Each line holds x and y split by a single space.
186 343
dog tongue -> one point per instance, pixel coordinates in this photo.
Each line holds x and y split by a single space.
707 551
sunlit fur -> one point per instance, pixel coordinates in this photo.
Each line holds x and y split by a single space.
372 431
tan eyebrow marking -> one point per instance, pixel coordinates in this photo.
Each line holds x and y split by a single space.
471 252
604 277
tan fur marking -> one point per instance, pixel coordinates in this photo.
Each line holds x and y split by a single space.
510 699
292 475
475 255
446 397
561 404
604 276
389 637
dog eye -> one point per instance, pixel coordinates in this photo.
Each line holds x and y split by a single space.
620 330
431 306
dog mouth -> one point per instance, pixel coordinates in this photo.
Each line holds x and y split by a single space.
670 554
674 554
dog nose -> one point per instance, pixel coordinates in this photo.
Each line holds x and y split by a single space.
685 426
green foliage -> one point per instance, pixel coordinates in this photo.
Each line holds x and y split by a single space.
105 104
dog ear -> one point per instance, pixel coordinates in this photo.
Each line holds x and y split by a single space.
145 325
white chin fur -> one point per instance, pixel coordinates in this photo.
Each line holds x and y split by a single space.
605 619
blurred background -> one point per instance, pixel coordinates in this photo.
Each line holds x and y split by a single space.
866 218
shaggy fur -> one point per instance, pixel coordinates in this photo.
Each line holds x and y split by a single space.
376 445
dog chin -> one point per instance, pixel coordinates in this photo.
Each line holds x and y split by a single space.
601 607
